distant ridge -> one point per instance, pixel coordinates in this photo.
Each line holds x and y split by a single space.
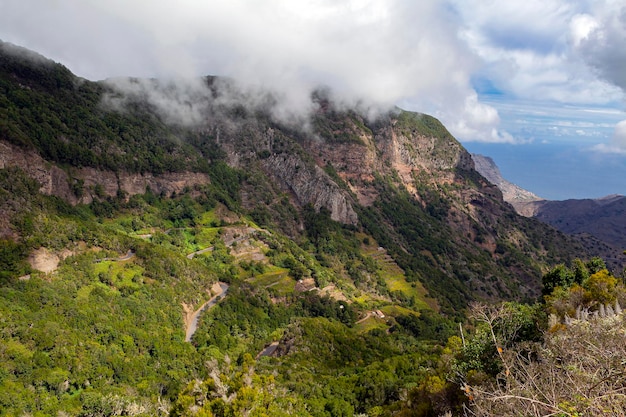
511 193
600 224
604 218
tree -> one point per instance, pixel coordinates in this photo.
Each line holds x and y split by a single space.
559 276
600 288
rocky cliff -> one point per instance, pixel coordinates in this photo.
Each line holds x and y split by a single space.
310 185
524 201
399 176
597 223
81 185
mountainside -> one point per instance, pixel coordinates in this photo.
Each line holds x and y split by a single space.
600 224
348 243
603 217
518 197
107 138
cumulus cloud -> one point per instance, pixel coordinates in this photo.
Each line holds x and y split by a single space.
530 47
420 55
363 51
479 122
619 137
617 145
581 26
372 52
466 117
601 41
535 25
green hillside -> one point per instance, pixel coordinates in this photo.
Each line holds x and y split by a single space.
349 248
100 331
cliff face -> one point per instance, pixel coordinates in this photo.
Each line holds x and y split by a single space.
111 137
385 148
78 185
597 223
401 177
524 202
311 185
347 171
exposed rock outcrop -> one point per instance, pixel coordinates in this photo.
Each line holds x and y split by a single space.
58 182
525 202
311 185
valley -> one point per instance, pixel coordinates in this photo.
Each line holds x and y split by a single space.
234 263
597 223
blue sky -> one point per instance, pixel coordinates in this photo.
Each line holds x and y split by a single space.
560 151
557 171
536 84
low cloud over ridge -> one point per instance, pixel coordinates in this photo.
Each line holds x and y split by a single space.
424 56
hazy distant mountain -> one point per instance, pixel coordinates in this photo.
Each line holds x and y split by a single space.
510 192
599 223
604 217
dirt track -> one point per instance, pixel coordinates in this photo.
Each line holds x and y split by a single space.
191 318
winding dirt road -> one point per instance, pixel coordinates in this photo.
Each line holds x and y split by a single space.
268 350
192 322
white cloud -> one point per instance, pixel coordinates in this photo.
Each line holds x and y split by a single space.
619 137
531 48
421 55
366 51
475 121
182 101
581 26
376 51
515 25
617 145
602 46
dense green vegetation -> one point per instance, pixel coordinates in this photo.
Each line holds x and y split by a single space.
96 299
428 250
46 107
101 334
422 124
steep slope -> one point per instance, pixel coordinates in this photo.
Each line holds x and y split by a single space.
600 224
604 217
523 200
350 246
401 178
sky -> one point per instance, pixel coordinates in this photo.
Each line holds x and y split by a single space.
538 85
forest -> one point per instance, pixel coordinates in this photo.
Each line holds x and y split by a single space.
102 336
429 297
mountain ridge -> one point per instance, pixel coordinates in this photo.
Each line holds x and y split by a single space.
353 244
599 223
521 199
343 162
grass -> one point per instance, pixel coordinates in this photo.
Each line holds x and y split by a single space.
362 299
395 279
396 310
370 324
206 236
276 278
209 218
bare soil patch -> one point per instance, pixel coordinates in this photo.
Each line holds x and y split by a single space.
43 260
